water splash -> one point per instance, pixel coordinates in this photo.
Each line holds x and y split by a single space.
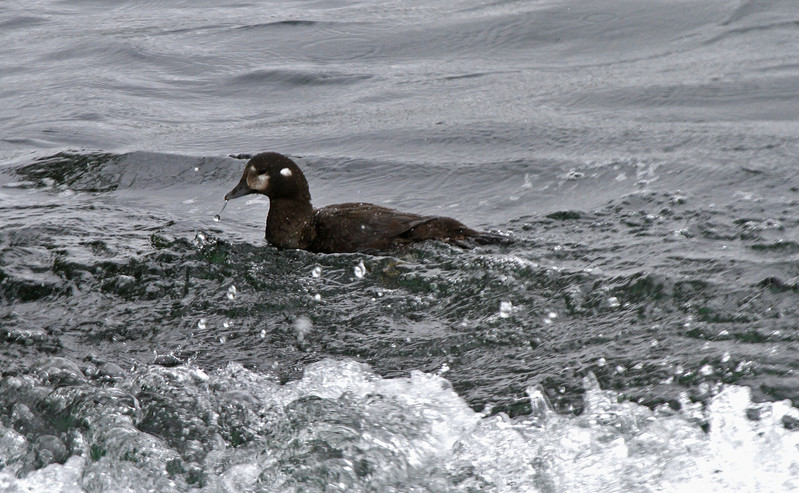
505 307
527 183
417 423
218 216
360 270
302 326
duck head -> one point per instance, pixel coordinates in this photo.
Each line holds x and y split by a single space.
274 175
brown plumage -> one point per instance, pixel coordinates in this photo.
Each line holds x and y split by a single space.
292 221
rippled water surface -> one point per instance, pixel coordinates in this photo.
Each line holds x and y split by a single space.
639 333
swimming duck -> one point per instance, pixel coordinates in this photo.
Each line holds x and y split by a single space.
293 222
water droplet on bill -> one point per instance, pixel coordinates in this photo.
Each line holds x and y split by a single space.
218 216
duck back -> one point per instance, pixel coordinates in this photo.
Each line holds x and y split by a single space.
361 227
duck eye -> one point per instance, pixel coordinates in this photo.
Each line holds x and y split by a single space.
263 172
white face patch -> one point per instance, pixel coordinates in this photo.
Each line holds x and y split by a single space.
258 182
261 182
285 172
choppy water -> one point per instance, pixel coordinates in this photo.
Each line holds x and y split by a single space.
639 335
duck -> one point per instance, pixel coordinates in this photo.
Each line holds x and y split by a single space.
293 223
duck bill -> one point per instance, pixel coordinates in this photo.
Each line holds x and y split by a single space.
239 190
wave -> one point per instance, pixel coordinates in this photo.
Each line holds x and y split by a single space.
173 429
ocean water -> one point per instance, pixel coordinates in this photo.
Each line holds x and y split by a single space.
640 333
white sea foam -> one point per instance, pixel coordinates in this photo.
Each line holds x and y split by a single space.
417 432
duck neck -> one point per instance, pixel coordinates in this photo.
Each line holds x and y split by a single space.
290 223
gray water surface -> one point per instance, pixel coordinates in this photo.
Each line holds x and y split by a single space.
641 326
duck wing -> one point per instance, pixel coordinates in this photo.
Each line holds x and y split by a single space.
360 227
